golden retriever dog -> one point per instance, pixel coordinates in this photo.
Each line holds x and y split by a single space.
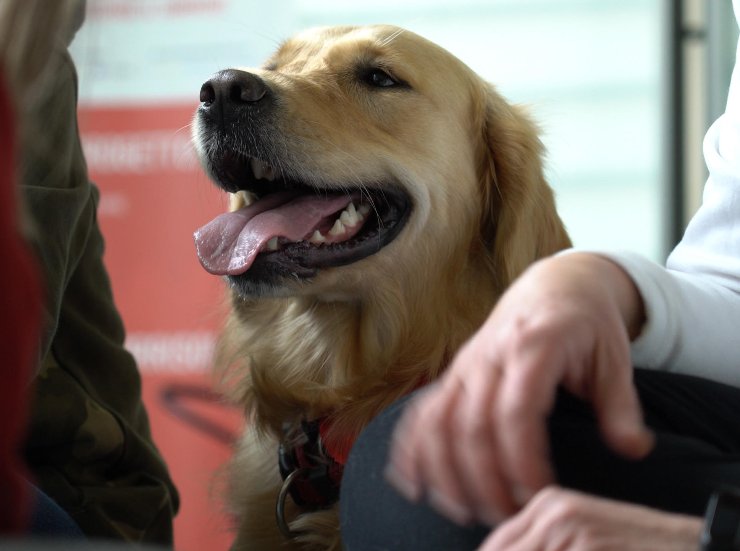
382 197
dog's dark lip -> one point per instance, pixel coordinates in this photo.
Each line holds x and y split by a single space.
232 171
390 210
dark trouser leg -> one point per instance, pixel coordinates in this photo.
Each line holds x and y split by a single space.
697 426
376 518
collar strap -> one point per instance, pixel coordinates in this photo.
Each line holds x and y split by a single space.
311 463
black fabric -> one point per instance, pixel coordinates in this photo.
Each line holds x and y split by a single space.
697 426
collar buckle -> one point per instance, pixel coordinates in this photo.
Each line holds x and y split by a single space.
310 475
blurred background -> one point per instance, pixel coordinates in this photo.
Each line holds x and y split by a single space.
622 89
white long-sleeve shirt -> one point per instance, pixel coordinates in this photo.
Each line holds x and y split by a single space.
693 304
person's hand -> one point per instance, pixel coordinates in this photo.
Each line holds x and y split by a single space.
570 521
475 443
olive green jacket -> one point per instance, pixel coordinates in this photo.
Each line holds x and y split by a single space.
89 445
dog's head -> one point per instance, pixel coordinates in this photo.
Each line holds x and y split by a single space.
359 152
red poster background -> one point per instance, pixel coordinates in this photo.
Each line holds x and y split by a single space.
153 196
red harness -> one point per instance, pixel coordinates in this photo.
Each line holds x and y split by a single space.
318 467
311 466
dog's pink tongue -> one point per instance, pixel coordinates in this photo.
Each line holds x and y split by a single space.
229 244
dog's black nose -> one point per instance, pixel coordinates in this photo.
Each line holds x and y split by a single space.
234 88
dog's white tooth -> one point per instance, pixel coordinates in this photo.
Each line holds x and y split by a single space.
246 197
269 173
346 219
241 199
263 171
236 201
272 244
349 216
258 168
337 228
317 238
363 209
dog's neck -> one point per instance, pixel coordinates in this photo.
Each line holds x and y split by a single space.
307 358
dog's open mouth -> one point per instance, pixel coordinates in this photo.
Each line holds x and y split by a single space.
287 227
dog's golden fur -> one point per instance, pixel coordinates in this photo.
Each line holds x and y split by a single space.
355 338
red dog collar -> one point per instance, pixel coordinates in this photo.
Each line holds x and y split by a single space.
317 485
311 465
311 475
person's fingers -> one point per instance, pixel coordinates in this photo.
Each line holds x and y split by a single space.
522 531
525 400
508 537
436 458
617 405
475 452
402 470
419 463
568 520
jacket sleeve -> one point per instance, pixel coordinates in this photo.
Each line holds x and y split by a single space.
88 443
693 305
57 194
692 321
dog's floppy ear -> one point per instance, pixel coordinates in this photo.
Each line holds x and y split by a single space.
520 222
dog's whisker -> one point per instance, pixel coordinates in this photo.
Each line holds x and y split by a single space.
188 127
392 37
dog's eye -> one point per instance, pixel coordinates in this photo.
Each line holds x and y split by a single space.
379 78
